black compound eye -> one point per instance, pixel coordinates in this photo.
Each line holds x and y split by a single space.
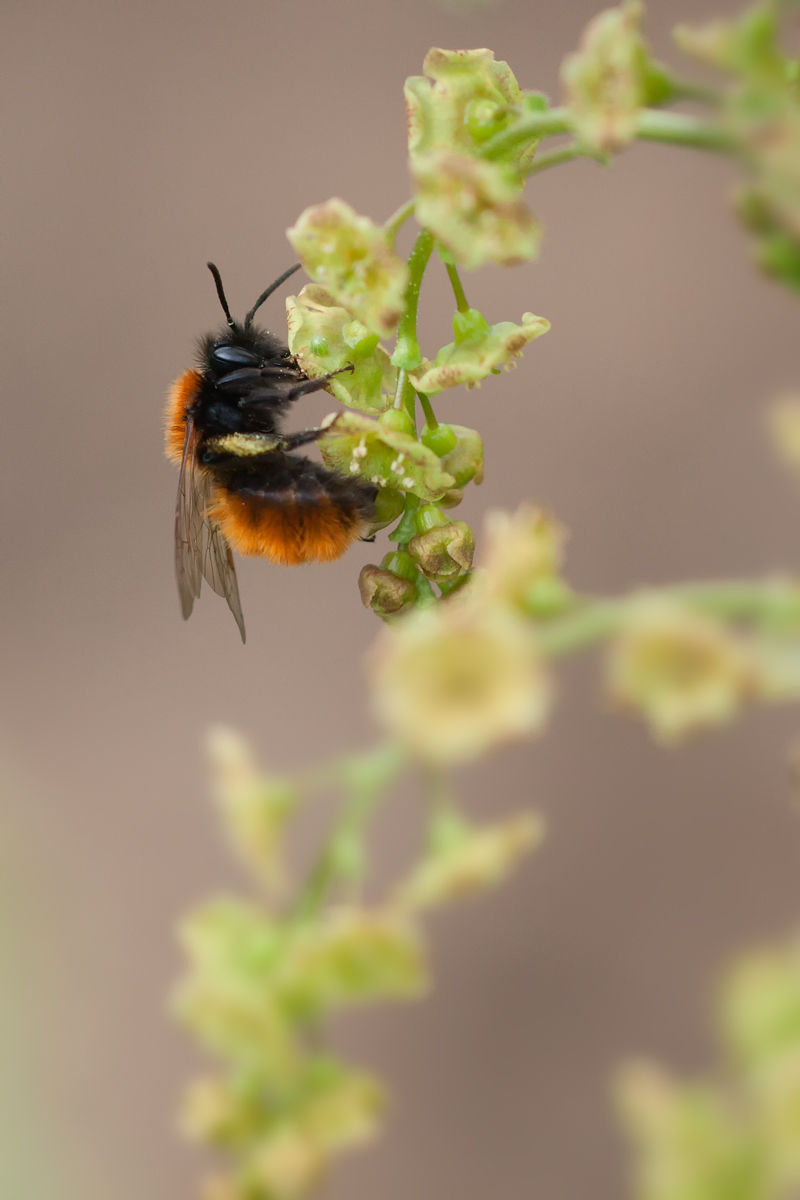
234 356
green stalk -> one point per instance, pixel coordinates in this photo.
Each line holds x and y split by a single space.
367 780
430 416
398 218
407 353
555 158
775 603
458 290
529 129
677 129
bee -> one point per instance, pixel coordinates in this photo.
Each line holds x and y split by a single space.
240 487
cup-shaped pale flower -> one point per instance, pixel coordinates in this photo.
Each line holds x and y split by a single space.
455 679
683 671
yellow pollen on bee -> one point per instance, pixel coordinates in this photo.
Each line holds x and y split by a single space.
244 444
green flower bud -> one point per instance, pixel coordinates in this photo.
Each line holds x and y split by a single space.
351 257
536 102
356 445
470 327
440 440
400 563
479 350
398 419
323 337
428 516
443 551
384 592
389 505
465 460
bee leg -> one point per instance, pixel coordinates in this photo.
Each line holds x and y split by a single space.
314 385
293 440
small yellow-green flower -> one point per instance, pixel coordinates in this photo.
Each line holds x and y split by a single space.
466 98
351 257
255 807
474 208
606 79
478 351
377 453
761 111
688 1141
324 337
478 858
682 671
522 549
455 679
349 956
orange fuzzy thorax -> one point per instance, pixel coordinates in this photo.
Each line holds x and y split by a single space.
289 532
181 395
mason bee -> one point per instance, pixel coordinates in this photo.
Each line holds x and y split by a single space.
240 487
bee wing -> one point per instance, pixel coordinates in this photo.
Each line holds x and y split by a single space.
189 521
220 572
201 549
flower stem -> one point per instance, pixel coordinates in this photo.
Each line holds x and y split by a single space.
529 129
653 125
677 129
458 290
407 354
555 158
430 416
399 394
397 219
775 603
366 779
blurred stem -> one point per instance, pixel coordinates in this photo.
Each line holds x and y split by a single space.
677 129
529 129
430 416
776 603
683 90
407 354
458 291
652 125
366 780
555 158
397 219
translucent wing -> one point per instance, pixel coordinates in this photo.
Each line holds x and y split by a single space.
220 572
201 549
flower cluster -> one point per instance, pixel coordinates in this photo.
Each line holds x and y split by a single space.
761 111
702 1139
264 975
474 206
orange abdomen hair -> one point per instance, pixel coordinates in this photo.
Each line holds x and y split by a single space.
288 528
181 395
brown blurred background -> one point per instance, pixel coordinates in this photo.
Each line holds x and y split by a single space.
141 139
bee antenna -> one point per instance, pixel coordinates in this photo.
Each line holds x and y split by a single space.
221 292
248 321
